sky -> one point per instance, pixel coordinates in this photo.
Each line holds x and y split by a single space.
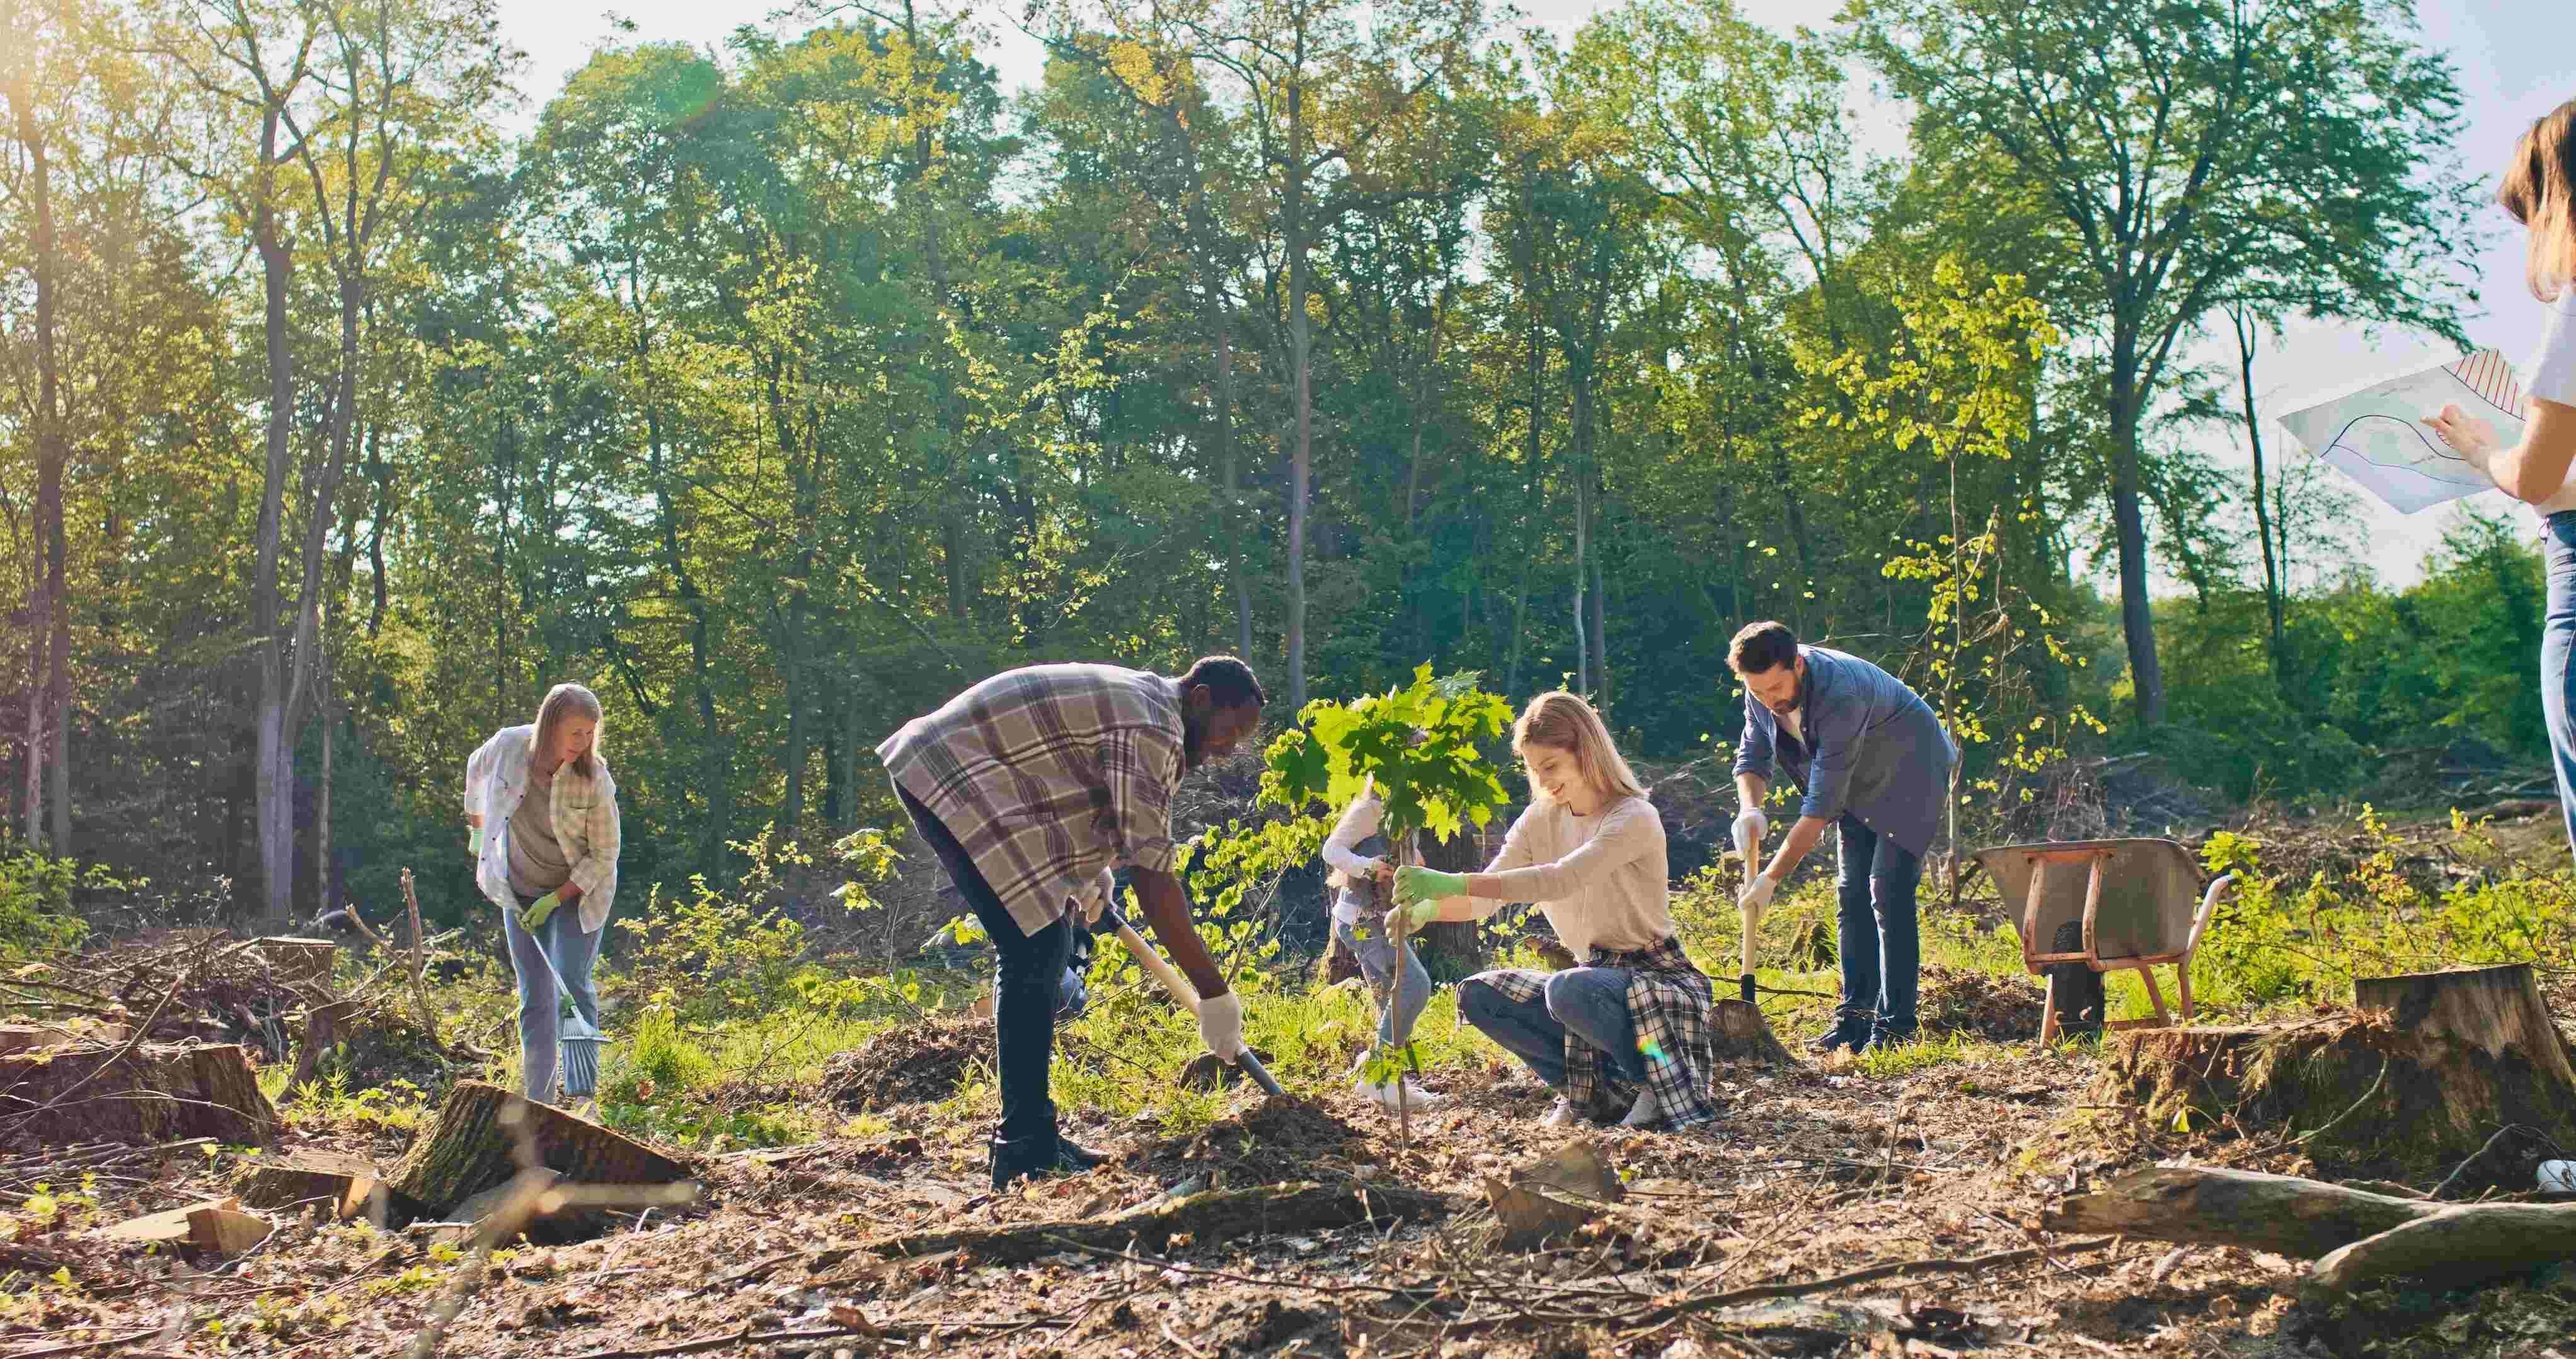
2513 61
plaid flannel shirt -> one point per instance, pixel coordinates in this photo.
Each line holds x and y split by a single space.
1048 776
582 811
1669 1000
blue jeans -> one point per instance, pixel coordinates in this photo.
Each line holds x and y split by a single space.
1589 1002
1377 963
2557 642
1882 950
574 951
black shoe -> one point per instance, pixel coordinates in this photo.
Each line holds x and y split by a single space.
1839 1036
1065 1159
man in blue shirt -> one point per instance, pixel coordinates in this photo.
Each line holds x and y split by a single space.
1874 763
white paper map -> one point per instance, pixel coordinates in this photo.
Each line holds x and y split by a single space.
2377 435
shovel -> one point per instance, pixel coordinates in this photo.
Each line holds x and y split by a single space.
1161 971
1748 847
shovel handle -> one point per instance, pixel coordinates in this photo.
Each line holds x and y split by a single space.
1748 848
1151 959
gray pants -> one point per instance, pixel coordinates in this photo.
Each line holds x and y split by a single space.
1590 1002
1377 963
573 950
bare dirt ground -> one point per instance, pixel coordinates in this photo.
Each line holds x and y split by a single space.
1811 1175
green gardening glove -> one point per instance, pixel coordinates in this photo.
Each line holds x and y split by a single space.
537 911
1426 886
474 841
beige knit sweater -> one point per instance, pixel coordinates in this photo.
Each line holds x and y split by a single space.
1601 879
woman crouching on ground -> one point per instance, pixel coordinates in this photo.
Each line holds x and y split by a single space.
1628 1030
544 835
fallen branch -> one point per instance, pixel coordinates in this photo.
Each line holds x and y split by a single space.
1901 1269
1205 1217
2453 1248
2195 1205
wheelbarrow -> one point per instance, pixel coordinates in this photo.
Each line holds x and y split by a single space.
2107 905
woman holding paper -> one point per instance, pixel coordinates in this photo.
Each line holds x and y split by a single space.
2540 191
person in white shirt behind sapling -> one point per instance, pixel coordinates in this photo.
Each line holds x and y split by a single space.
1627 1030
1356 854
2540 191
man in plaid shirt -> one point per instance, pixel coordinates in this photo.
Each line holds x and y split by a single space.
1031 787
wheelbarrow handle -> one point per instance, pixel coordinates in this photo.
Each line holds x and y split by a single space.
1151 959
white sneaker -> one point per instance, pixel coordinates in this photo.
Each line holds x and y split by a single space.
1562 1116
1414 1098
1646 1112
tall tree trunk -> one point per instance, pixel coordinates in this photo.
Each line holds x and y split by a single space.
1300 358
322 804
1229 470
2137 615
1582 579
273 769
49 671
2246 339
1600 630
376 528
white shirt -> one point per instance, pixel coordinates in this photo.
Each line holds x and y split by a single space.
2551 376
1359 821
581 814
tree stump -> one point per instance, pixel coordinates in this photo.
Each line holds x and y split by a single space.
471 1148
155 1092
1737 1032
365 1045
1452 950
2421 1078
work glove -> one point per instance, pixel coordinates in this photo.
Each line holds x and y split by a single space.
1750 826
1102 891
1417 884
536 911
1407 919
1221 1025
474 841
1757 895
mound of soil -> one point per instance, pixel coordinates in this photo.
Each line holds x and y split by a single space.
1283 1137
915 1064
1955 1000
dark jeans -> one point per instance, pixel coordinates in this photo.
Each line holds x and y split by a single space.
2557 642
1592 1002
1882 950
1024 1000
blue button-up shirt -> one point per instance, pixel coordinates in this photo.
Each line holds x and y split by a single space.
1872 747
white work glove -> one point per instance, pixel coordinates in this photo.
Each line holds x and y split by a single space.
1221 1025
1101 892
1751 819
1757 895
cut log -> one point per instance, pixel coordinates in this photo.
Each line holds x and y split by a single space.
2406 1091
340 1188
1532 1215
2356 1238
1216 1215
2497 1010
16 1038
164 1228
470 1149
156 1092
2196 1205
225 1231
2453 1248
1737 1032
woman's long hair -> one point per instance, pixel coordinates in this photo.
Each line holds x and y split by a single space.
564 702
2539 189
1565 722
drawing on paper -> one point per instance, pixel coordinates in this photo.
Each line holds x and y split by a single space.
2377 436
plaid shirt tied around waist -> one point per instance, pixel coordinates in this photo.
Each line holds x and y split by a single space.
1669 1000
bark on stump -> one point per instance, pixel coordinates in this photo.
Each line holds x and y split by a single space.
2413 1084
472 1148
1737 1032
156 1092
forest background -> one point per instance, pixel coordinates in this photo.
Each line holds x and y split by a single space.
359 381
